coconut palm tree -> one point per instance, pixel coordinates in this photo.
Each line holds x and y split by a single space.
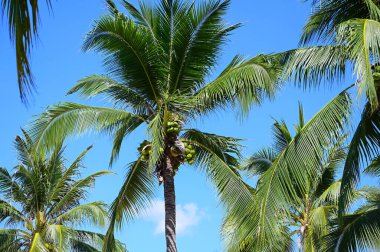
159 61
296 192
23 23
347 32
41 203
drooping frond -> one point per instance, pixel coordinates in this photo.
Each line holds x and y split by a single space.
94 213
11 215
116 92
47 130
217 155
86 241
133 197
23 17
9 241
363 42
374 167
364 146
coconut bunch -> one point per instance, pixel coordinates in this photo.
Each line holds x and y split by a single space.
189 153
173 127
376 73
145 150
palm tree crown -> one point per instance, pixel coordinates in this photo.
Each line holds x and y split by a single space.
42 204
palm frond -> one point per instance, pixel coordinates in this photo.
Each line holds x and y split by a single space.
329 14
363 147
315 65
94 213
217 155
359 232
363 42
130 54
62 120
260 161
133 197
23 17
374 167
118 93
11 214
38 244
243 82
282 136
197 39
76 191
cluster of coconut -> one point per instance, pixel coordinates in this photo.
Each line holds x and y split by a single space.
376 74
173 127
145 150
189 153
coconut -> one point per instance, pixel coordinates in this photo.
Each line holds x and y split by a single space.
189 156
376 76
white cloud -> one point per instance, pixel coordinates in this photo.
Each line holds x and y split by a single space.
188 215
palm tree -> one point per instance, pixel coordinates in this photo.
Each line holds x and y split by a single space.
159 60
348 33
41 204
296 190
23 23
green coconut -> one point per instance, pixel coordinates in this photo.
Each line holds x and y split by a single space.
376 76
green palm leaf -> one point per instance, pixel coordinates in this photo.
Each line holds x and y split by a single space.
134 195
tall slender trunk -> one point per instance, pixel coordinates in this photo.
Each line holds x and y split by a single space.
170 210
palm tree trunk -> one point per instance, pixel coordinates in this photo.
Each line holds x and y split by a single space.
170 206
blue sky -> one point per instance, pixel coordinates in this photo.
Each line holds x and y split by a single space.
58 62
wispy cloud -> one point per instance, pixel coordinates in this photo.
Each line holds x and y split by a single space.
188 215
